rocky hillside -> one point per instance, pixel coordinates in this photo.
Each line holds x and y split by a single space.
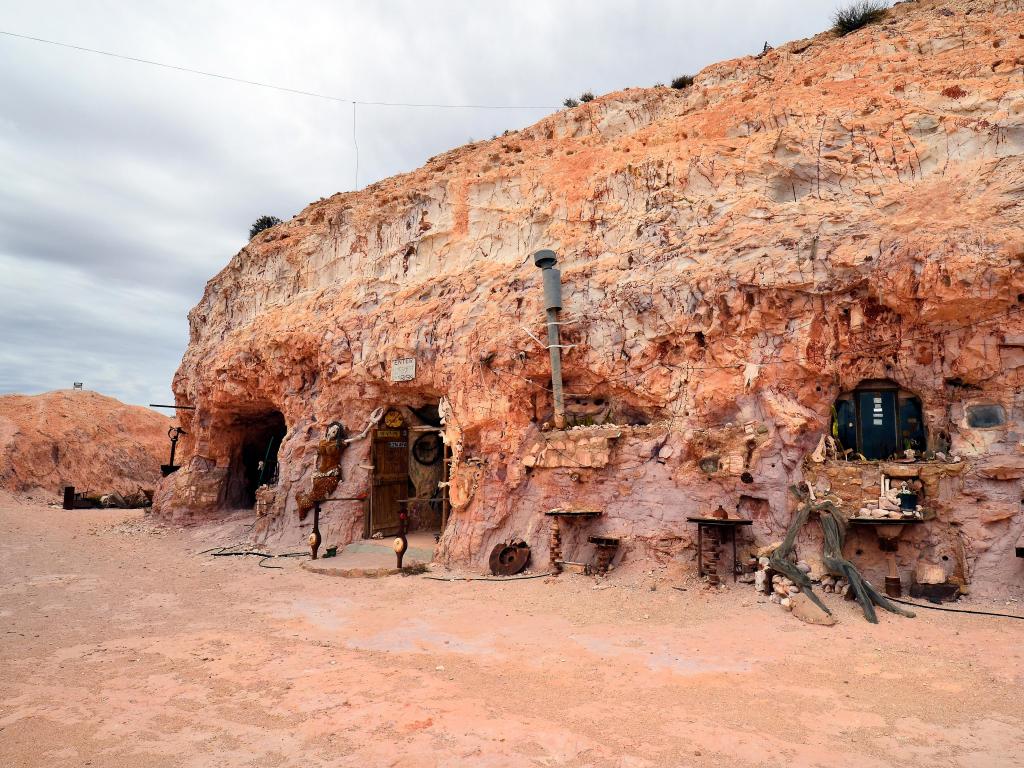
736 253
73 437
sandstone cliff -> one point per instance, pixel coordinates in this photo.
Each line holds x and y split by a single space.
734 256
73 437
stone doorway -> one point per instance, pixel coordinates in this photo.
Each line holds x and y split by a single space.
255 459
410 468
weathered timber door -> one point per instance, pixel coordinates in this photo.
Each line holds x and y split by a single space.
390 472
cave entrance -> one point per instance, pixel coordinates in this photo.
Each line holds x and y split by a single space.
411 466
255 461
878 420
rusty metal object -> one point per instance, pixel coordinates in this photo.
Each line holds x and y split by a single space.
170 467
712 533
893 586
509 559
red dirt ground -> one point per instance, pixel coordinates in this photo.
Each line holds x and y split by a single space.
119 646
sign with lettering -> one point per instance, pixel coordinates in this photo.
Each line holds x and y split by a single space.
403 369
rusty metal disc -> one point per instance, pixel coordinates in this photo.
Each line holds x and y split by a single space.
509 559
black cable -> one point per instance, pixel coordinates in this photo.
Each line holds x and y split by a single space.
957 610
241 554
486 578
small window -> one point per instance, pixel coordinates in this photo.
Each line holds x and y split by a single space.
985 416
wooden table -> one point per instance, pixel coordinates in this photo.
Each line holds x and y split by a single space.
716 524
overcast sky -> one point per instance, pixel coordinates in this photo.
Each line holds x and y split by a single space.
124 187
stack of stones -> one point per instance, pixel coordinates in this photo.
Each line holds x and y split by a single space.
781 588
266 495
837 584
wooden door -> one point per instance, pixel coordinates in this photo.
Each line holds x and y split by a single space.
390 472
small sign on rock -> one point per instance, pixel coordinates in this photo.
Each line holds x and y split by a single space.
403 369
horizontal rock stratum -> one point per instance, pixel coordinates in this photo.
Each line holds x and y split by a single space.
734 255
73 437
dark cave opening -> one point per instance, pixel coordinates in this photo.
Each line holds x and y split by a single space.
255 462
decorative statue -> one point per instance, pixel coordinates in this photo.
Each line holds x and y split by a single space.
328 469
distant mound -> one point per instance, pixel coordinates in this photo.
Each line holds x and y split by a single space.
70 437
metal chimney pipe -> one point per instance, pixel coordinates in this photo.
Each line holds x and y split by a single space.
546 260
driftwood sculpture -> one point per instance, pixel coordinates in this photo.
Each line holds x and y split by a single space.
833 525
327 474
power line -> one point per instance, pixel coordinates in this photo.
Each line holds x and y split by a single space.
258 84
355 143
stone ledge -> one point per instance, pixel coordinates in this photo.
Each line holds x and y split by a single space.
316 566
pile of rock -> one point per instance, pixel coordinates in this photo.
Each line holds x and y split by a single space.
266 497
890 504
837 584
781 589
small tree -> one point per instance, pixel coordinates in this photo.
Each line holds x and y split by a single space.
263 222
570 103
856 15
683 81
586 96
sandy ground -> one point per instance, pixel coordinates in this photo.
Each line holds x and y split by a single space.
119 646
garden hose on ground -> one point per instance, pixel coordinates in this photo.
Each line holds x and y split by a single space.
264 556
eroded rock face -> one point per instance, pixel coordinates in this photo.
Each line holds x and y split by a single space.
74 437
734 256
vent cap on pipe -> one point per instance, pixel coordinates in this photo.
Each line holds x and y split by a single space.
545 259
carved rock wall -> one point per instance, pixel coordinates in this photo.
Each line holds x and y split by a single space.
733 255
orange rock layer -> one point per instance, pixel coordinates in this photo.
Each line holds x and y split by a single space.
734 255
73 437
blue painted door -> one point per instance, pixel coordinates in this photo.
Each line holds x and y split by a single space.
878 432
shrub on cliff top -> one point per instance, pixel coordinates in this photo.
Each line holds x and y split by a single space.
586 96
570 103
683 81
263 222
856 15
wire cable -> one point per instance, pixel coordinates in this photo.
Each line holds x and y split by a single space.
258 84
355 143
487 578
957 610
